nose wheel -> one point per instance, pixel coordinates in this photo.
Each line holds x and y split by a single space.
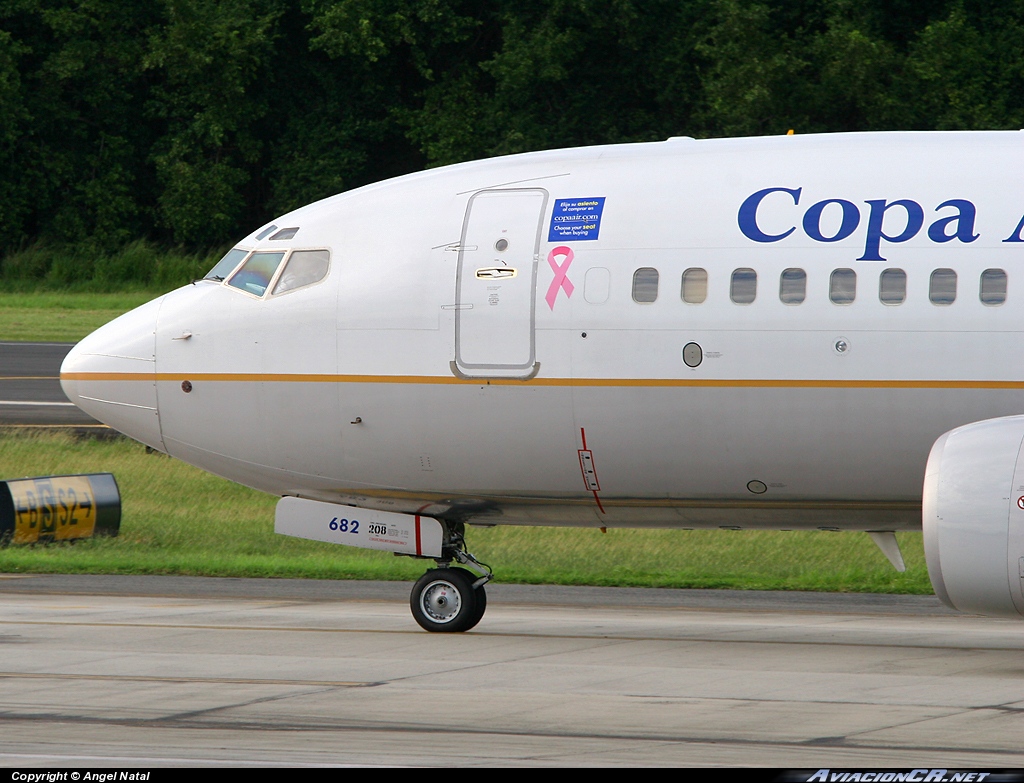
445 600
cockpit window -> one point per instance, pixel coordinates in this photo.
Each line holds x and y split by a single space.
285 233
304 267
226 265
257 272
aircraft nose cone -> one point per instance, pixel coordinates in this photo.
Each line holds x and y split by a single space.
111 375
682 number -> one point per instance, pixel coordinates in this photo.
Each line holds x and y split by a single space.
344 525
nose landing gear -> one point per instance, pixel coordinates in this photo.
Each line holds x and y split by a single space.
445 600
450 600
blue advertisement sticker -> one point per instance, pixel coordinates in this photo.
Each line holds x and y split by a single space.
576 219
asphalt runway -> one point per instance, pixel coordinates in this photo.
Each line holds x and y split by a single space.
30 393
166 671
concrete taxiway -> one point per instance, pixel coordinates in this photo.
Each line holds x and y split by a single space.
163 671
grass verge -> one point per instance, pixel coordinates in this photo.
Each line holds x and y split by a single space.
62 316
62 293
180 520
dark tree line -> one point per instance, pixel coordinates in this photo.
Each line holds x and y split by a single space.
188 122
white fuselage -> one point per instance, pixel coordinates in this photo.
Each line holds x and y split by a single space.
435 368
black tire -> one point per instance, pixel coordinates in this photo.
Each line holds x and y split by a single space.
481 601
443 601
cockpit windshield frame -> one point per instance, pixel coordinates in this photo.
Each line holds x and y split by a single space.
228 270
254 273
299 285
269 292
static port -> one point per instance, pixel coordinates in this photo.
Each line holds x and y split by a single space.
692 355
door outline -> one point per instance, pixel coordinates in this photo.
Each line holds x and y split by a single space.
525 370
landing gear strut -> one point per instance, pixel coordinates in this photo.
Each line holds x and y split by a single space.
446 599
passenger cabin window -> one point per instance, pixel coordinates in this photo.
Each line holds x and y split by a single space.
743 287
792 286
942 287
226 265
892 287
304 267
645 285
695 286
257 272
842 286
993 287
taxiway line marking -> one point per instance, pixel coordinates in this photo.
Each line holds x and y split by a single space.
56 426
597 636
31 403
198 761
142 678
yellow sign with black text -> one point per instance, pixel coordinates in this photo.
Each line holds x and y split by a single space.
52 509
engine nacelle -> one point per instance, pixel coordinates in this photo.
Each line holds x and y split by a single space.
973 517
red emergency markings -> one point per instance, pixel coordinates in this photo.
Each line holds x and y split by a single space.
589 472
419 540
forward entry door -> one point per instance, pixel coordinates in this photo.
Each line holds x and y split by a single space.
496 286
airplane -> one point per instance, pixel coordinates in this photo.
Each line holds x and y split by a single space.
793 332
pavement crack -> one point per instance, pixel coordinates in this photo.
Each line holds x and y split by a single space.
193 714
489 664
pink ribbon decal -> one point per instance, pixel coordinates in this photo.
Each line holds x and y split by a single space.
561 275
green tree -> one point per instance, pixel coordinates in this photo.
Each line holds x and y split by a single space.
80 149
210 60
14 121
966 71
